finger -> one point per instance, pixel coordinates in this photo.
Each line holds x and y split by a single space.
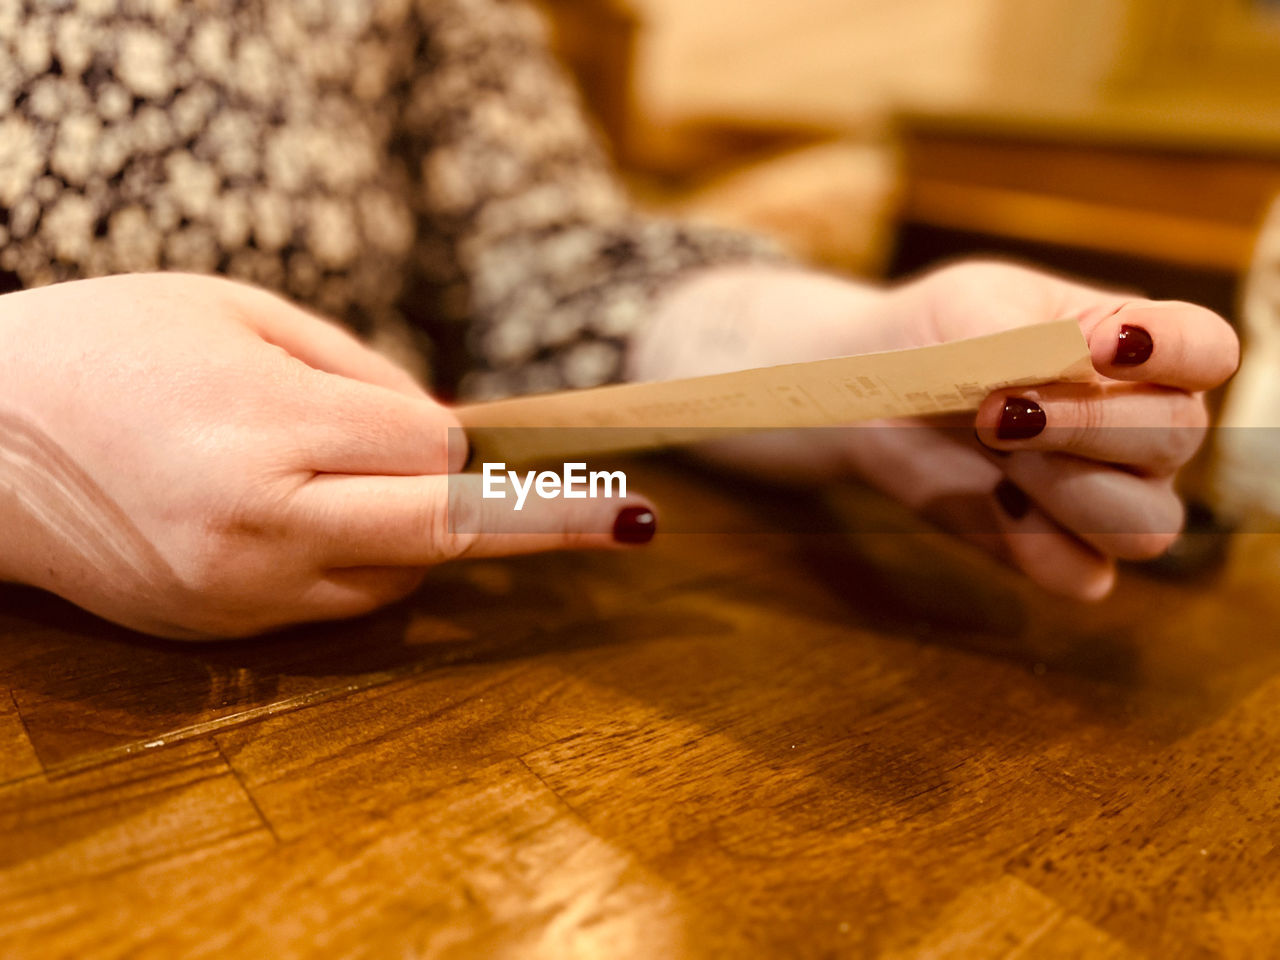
324 345
1152 429
345 426
421 521
1174 344
1048 555
1117 513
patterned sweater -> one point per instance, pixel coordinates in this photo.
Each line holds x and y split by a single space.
383 162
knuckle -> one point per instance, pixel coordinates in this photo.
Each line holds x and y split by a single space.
453 531
1146 546
571 533
1191 414
1186 445
1222 342
1161 526
981 269
1086 422
455 544
1187 431
1231 359
977 275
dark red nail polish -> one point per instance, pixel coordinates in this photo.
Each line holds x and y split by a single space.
1133 346
1011 499
1020 420
635 525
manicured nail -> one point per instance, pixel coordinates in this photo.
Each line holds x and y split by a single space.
1020 420
1012 500
1133 346
635 525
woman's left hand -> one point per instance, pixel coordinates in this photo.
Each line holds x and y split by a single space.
1070 478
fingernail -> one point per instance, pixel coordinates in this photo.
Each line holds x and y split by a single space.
1020 420
635 525
1133 346
1012 500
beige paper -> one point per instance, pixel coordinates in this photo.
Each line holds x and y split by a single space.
946 378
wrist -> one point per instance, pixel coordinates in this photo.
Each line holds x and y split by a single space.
15 351
738 317
20 454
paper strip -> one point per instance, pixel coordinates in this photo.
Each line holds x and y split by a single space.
945 378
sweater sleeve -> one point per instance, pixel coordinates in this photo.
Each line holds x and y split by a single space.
531 269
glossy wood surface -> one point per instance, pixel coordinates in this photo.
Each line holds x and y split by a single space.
726 745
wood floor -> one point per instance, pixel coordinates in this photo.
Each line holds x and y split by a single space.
728 745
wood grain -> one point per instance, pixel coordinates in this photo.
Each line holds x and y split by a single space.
17 758
728 745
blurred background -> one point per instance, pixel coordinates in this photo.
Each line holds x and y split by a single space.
1135 143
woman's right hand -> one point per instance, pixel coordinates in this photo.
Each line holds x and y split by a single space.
196 458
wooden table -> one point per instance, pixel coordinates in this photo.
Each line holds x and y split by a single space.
727 745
